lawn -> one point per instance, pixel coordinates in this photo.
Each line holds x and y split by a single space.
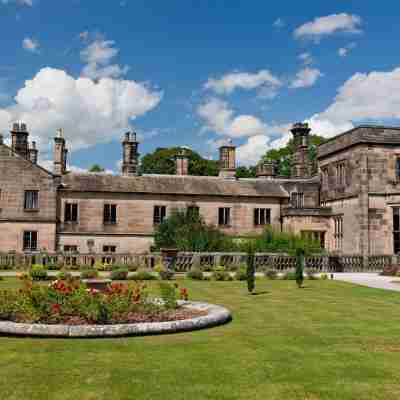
330 340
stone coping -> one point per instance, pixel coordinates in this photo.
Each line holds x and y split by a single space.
217 315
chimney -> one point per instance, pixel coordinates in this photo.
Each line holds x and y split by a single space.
33 153
300 164
59 161
19 139
130 154
1 139
182 162
227 161
266 170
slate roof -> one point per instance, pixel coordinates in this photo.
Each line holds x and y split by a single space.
370 134
172 184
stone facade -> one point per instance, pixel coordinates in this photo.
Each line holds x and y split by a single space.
351 205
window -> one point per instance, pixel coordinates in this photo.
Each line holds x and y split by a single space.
193 211
341 174
338 233
70 248
224 216
30 241
262 216
398 168
159 214
71 212
318 236
396 230
109 249
31 200
110 214
297 200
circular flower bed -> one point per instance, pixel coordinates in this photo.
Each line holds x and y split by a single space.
69 308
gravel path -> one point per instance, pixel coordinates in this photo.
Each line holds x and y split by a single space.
373 280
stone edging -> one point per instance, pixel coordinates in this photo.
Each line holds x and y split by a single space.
217 315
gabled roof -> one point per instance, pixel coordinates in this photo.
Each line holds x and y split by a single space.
369 134
172 184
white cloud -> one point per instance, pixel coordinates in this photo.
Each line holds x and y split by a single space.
306 58
252 151
89 112
279 23
98 56
31 45
228 83
219 118
344 51
328 25
19 2
306 78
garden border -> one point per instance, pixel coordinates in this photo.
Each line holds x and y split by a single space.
217 315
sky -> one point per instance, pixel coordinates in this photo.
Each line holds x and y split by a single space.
194 73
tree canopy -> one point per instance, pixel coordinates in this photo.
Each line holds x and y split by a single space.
96 168
162 161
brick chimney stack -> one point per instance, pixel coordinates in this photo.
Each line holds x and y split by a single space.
60 154
130 154
19 139
33 153
182 162
1 139
266 170
301 165
227 161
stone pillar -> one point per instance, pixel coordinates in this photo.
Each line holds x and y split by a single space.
33 153
182 163
363 207
59 161
300 163
19 139
227 161
130 154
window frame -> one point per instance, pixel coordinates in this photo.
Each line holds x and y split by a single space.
262 216
30 240
159 214
297 199
31 200
224 216
110 214
69 210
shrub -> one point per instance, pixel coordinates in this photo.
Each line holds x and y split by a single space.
289 276
168 294
6 267
119 274
207 267
164 273
133 267
221 276
38 273
89 273
241 274
324 277
251 270
64 275
53 267
75 267
271 274
99 266
143 275
196 274
299 267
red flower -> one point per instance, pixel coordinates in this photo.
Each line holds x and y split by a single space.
56 308
184 294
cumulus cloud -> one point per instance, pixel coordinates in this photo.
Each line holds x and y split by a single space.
305 78
344 51
31 45
252 151
98 56
328 25
219 118
89 112
228 83
306 58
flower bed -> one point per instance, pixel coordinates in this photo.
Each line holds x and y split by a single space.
71 302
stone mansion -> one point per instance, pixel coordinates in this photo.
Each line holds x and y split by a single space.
352 205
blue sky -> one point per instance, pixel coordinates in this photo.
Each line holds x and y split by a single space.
195 73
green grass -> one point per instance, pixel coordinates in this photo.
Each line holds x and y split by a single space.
330 340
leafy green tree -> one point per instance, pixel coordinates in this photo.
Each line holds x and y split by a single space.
162 161
251 269
96 168
299 267
283 156
246 172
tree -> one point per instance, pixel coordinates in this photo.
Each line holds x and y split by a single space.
96 168
162 161
246 172
283 156
251 269
299 267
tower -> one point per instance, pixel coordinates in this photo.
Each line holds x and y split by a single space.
60 154
182 162
300 164
227 161
33 153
